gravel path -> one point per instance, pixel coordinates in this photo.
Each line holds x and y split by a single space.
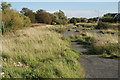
80 48
94 66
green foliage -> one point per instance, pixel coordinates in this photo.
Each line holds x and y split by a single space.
108 19
73 20
44 54
109 31
12 20
59 18
5 6
110 49
84 40
69 29
78 25
104 25
77 30
92 20
29 13
77 20
43 17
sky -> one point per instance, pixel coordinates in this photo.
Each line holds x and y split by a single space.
71 9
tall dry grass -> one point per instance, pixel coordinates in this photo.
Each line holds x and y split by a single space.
39 53
105 44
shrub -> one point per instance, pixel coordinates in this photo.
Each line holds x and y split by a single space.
72 37
103 25
77 30
69 29
43 17
78 25
12 20
108 19
109 31
106 48
26 21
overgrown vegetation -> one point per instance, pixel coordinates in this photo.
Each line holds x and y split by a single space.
107 45
60 28
39 53
104 25
13 20
30 14
109 31
111 18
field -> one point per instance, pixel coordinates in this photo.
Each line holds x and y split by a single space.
54 44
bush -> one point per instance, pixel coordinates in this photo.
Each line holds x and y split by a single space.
43 17
108 19
109 31
104 25
78 25
69 29
12 20
108 49
26 21
77 30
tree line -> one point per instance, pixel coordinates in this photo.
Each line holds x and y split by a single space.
41 16
13 20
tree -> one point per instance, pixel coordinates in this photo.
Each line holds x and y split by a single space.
43 17
59 18
108 19
29 13
5 6
73 20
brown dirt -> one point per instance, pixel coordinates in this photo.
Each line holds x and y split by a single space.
38 25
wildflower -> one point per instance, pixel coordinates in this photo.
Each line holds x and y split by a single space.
4 59
10 59
20 64
14 64
2 73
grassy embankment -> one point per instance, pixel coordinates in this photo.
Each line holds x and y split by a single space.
39 52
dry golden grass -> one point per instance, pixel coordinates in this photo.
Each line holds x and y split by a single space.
104 37
42 51
88 24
